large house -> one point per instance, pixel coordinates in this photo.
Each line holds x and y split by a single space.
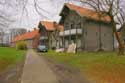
49 34
88 29
31 38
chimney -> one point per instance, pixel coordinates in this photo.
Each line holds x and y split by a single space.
55 24
34 29
28 31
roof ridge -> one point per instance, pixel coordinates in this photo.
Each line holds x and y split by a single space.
89 13
80 7
48 21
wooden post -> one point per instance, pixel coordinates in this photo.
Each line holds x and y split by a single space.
76 38
70 34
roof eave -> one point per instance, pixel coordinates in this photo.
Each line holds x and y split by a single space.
60 14
108 22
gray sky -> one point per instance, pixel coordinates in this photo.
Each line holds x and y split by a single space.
32 19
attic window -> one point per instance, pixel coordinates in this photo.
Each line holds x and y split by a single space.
72 26
66 25
96 33
104 34
78 25
86 32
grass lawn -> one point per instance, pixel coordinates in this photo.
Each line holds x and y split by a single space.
101 67
10 56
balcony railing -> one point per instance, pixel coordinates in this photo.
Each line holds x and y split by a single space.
71 32
43 38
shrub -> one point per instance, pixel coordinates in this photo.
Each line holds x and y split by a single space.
21 45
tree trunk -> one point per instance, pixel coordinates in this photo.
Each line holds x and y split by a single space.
49 40
120 41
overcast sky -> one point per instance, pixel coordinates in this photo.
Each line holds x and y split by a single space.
31 20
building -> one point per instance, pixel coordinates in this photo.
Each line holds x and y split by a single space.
49 34
88 29
31 38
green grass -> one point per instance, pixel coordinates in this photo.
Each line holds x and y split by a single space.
101 67
10 56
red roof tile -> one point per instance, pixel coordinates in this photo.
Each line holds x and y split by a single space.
51 26
28 35
48 25
88 13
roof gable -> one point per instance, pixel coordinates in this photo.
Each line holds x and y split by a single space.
88 13
48 25
51 26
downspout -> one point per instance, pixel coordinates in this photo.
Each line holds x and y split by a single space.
64 38
70 34
100 42
83 34
76 38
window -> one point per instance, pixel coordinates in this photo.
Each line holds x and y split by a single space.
66 26
85 32
72 26
96 33
78 25
104 34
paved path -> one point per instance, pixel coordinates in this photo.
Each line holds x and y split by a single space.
36 70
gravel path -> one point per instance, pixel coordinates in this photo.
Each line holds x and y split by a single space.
65 73
36 70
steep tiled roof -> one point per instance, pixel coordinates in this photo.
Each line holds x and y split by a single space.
51 26
84 12
28 35
48 25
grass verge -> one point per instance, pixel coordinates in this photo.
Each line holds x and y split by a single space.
101 67
10 56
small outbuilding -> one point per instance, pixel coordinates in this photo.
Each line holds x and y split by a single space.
31 38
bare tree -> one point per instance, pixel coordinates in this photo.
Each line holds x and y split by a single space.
16 32
21 6
8 10
56 34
